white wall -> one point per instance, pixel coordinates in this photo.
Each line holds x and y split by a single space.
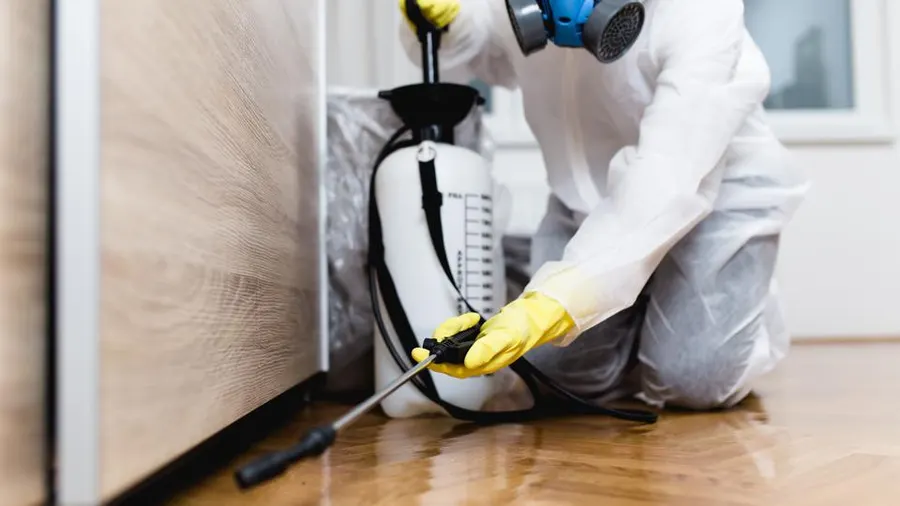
361 40
841 260
840 264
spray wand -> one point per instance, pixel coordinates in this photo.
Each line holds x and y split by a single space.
451 350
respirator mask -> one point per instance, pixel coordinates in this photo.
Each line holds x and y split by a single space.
606 28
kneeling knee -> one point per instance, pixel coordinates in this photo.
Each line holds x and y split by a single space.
697 382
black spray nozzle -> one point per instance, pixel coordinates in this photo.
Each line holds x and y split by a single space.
270 465
453 349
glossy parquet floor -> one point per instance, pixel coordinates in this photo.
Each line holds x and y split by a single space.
824 429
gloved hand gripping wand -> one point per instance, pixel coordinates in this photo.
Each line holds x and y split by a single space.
451 350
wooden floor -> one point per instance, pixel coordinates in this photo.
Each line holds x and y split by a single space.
822 430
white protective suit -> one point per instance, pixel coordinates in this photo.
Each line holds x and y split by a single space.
661 162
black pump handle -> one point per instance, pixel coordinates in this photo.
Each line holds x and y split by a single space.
430 39
414 13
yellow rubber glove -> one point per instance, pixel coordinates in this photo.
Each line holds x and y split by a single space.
527 322
440 13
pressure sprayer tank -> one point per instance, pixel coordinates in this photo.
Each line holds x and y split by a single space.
467 213
426 295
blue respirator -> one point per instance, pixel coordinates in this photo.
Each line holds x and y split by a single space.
606 28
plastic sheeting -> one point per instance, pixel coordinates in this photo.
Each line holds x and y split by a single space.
359 125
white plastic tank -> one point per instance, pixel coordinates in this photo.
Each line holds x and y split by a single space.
470 236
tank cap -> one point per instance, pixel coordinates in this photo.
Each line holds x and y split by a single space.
427 151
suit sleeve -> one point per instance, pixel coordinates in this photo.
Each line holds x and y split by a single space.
472 47
663 186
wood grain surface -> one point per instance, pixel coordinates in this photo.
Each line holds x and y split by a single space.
820 431
24 64
209 220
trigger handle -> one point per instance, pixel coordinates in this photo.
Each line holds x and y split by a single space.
453 349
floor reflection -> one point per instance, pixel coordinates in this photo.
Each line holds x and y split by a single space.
805 438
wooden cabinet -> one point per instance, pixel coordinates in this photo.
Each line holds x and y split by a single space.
207 231
24 70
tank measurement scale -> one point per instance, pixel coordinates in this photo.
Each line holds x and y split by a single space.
474 262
